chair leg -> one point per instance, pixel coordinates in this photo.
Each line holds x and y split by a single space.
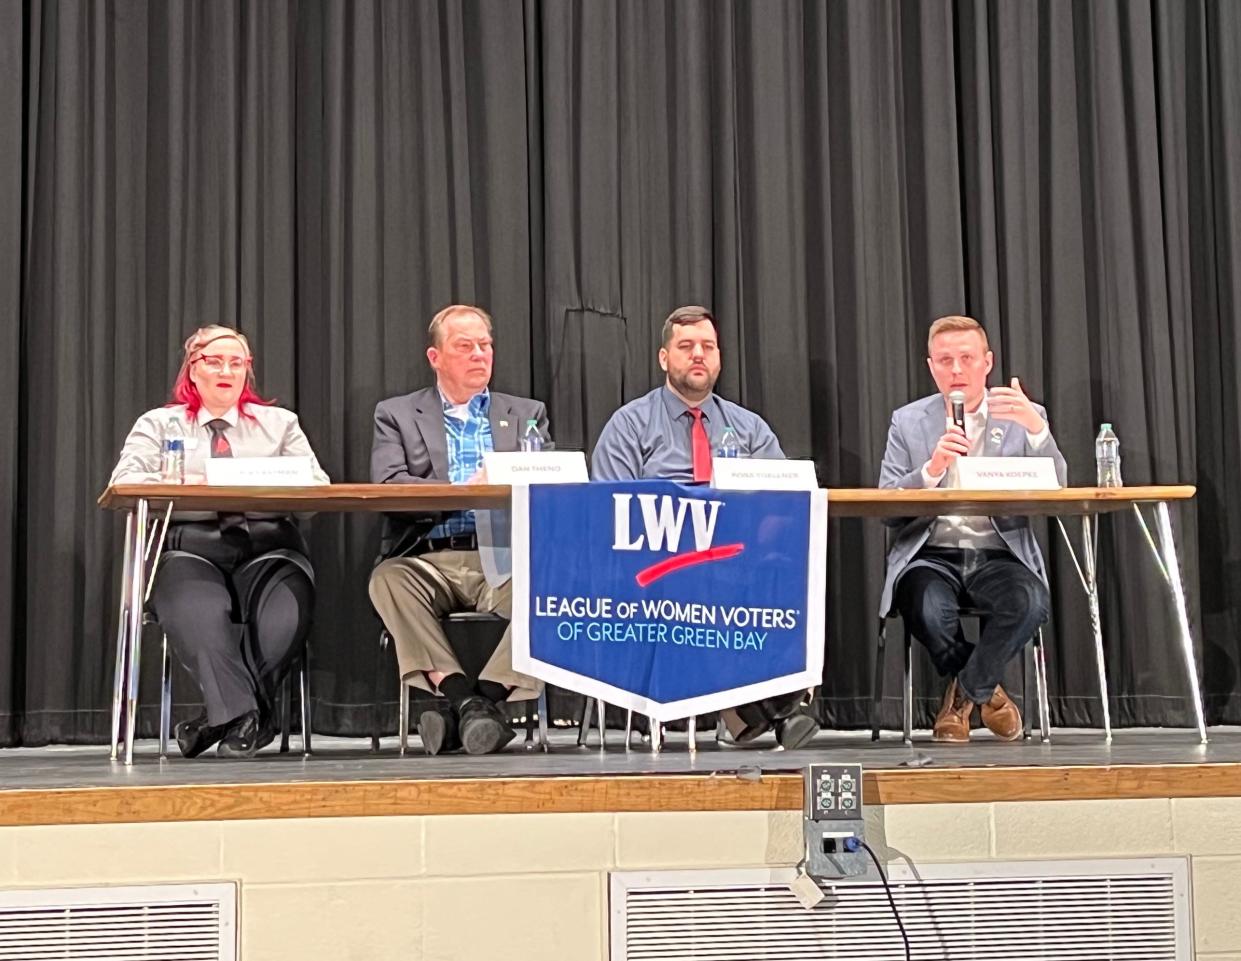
403 698
908 697
1027 664
165 701
1040 679
876 683
693 735
583 724
603 737
304 697
529 711
542 708
628 728
286 711
380 678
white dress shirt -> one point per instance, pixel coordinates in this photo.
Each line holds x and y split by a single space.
969 532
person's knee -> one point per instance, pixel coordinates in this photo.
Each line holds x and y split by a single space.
379 587
932 611
396 580
1031 603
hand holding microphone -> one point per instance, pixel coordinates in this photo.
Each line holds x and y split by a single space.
954 443
956 400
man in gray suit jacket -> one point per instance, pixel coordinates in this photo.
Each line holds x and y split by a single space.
431 564
938 564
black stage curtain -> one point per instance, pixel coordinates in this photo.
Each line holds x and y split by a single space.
829 177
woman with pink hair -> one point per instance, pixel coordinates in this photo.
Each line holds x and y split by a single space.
233 592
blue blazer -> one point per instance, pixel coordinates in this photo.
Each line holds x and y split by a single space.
915 430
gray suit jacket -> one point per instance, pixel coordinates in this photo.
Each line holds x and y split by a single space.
411 447
915 430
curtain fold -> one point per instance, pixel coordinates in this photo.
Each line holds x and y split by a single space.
828 177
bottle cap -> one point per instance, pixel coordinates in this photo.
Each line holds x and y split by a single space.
1105 426
532 422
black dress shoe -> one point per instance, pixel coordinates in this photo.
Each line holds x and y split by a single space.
196 735
797 730
438 730
245 736
484 730
746 722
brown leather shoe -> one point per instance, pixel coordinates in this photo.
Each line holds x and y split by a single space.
952 723
1001 716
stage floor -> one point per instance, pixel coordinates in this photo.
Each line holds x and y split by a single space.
351 760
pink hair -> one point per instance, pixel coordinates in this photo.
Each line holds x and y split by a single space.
183 389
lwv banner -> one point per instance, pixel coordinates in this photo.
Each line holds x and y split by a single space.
667 599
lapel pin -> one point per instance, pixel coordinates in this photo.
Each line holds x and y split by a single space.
997 434
503 423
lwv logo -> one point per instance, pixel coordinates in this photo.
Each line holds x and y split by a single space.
663 521
663 525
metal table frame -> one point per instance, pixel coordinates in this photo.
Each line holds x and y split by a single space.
1168 564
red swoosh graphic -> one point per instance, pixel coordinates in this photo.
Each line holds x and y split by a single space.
653 573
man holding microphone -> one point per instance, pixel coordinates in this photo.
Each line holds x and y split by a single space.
936 565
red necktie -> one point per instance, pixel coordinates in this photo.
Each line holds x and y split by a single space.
220 447
701 447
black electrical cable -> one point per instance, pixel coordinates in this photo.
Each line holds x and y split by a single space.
891 900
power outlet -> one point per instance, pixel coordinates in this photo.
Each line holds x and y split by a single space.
834 825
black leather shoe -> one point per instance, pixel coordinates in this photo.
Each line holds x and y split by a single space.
484 729
438 730
746 722
797 730
245 736
196 735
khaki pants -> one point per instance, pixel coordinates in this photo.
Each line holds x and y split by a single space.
412 594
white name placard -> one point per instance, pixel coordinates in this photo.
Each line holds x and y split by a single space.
1007 473
535 467
762 474
292 471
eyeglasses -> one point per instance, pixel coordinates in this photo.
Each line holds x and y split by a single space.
218 364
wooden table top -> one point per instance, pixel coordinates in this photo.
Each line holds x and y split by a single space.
842 501
870 502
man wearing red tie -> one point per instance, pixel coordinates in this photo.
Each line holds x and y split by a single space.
670 434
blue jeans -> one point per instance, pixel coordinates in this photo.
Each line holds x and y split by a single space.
1013 602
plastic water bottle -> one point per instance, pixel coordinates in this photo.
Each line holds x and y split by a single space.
728 446
1107 457
172 453
531 439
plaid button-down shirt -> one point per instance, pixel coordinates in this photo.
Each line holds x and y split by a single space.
468 439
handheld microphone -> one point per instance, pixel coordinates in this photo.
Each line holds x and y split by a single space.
957 399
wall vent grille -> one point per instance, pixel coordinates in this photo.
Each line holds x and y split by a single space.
185 922
1061 910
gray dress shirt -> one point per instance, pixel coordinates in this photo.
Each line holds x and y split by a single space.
649 438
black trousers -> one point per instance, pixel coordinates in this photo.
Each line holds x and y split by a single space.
1011 599
236 605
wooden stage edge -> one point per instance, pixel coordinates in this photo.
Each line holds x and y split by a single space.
624 793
